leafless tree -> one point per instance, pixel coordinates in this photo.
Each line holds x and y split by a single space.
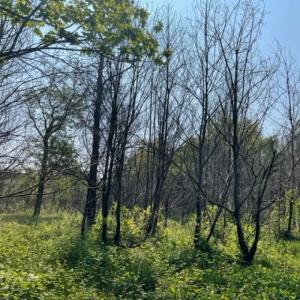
244 101
168 106
288 79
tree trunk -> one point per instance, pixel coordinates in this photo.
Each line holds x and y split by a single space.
108 174
214 223
197 231
42 179
288 232
155 209
89 215
119 180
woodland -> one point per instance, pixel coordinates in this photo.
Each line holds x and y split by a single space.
146 154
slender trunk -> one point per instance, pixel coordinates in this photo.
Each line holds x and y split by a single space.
155 209
291 117
224 224
236 198
290 218
202 133
251 253
42 178
108 176
161 174
148 177
117 238
119 180
162 168
105 201
89 215
214 223
150 157
199 200
197 231
292 196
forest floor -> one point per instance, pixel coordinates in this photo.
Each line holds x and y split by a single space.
48 260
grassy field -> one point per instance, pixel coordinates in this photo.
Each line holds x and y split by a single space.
49 260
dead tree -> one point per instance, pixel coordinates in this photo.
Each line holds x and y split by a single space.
201 79
248 96
289 92
167 128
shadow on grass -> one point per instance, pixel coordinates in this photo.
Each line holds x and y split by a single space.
26 219
110 269
293 238
288 238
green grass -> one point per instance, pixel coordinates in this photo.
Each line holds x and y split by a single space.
47 259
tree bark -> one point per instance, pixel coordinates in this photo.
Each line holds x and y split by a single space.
42 179
89 215
108 174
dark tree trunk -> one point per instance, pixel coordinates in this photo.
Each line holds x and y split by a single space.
197 231
214 223
199 200
148 178
42 179
236 169
155 209
292 120
160 179
119 180
119 183
203 131
108 174
89 215
288 232
107 184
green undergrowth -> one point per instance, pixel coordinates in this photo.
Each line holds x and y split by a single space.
47 259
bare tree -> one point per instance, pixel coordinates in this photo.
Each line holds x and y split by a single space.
201 80
168 108
243 103
289 93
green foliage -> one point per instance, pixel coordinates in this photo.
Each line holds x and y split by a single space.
108 26
30 265
47 259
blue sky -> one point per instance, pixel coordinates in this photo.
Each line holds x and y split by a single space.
282 23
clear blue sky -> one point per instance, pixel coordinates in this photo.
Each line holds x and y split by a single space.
282 23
